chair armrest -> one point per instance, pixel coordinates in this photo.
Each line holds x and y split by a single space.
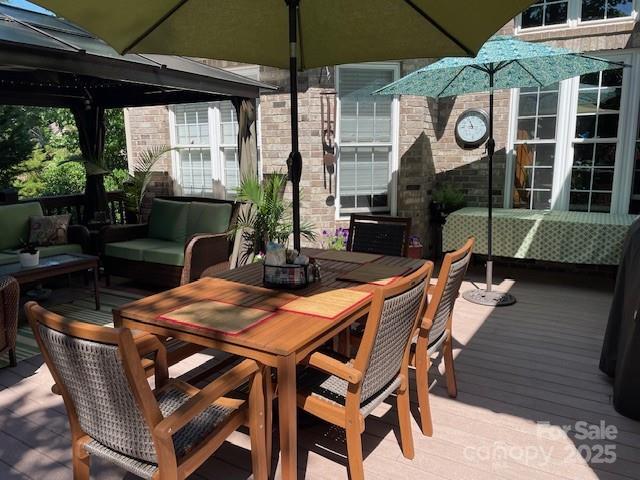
204 398
147 343
330 365
201 251
79 234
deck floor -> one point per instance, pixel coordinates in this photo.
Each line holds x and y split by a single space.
523 373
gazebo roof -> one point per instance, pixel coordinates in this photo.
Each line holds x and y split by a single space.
47 61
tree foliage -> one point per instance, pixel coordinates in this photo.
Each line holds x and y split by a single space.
36 142
16 141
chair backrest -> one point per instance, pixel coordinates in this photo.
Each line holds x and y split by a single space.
392 321
379 234
454 266
9 296
100 375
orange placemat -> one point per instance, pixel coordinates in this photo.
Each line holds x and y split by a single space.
327 304
349 257
212 315
375 274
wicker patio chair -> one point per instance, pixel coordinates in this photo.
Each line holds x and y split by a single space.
435 330
162 434
379 234
9 297
345 393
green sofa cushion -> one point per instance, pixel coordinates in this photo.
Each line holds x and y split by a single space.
169 255
14 223
168 220
6 258
208 218
134 249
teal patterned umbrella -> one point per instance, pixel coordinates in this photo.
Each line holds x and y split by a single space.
514 63
502 62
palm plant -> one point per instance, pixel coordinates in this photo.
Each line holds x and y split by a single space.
136 186
269 219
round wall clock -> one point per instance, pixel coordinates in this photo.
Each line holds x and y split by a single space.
472 128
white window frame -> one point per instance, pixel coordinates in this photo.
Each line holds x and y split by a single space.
395 134
574 12
215 147
565 135
176 171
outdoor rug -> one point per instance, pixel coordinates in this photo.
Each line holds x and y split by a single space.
78 305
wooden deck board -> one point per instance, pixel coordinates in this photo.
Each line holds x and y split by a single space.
533 362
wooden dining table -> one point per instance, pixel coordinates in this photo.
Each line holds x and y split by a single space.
281 342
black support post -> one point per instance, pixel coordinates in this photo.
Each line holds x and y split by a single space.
295 159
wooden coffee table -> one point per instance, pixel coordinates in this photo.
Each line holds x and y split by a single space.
54 266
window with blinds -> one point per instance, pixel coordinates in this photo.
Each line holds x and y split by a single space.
206 139
365 139
194 148
228 147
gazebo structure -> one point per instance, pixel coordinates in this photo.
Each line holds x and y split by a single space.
46 61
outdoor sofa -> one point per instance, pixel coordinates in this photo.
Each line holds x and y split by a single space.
184 236
14 229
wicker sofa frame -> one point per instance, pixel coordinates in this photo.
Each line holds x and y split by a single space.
201 252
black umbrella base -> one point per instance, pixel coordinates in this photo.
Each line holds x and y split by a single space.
491 299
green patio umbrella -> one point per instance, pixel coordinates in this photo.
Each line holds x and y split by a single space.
293 34
502 62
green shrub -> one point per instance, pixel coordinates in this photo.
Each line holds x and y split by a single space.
450 197
63 178
115 180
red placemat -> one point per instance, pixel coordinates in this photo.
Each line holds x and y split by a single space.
221 317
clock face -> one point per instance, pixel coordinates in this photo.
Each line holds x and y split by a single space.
472 128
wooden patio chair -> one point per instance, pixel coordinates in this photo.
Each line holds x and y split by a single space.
345 393
379 234
435 330
160 434
9 297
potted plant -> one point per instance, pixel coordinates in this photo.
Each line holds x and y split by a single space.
446 199
267 226
335 241
415 247
269 219
135 187
29 255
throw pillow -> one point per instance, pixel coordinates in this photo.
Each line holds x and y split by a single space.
49 230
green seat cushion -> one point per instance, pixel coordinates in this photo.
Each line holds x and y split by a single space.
168 220
169 255
134 249
208 218
58 249
6 258
14 223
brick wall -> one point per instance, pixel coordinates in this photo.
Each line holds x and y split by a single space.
147 127
428 153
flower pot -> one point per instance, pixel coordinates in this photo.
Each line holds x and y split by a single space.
414 251
28 260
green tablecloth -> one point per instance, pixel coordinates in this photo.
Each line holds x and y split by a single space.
569 237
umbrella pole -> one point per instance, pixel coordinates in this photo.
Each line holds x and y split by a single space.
295 159
491 147
488 296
